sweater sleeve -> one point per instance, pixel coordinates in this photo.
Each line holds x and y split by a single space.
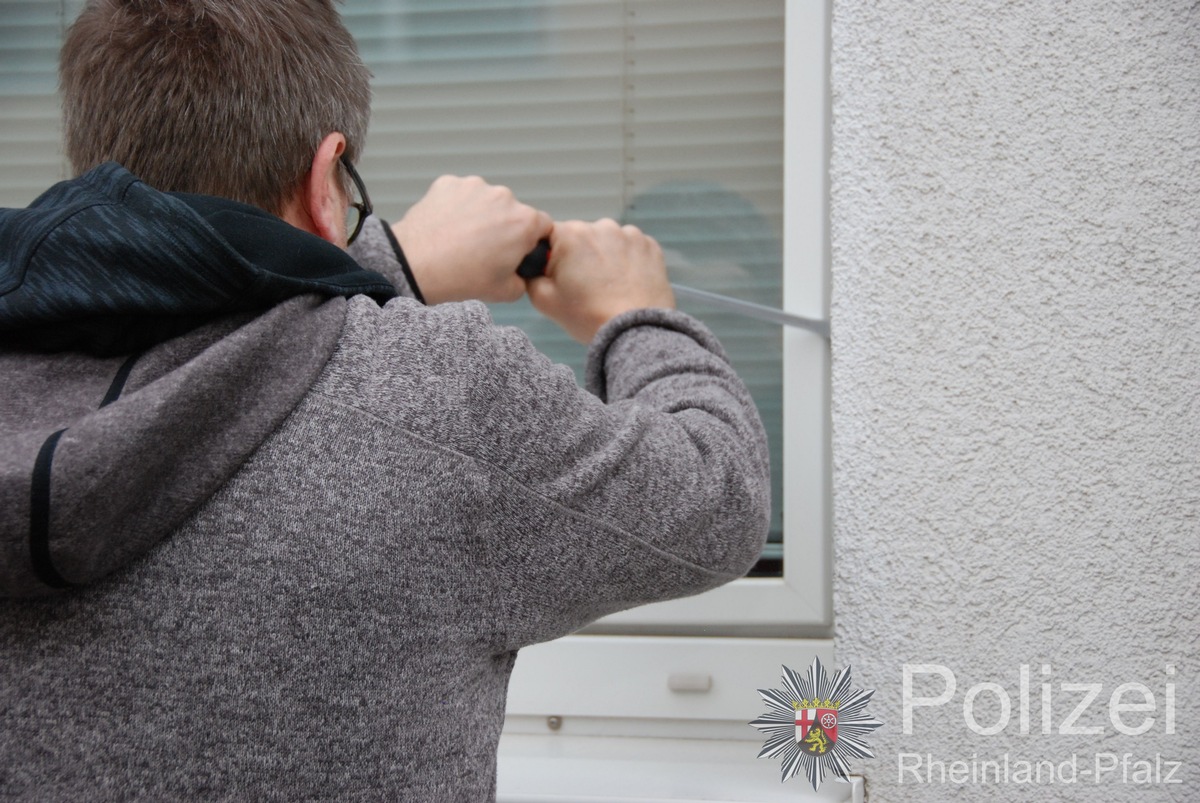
654 485
561 504
378 249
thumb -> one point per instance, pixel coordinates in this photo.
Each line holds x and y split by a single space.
543 293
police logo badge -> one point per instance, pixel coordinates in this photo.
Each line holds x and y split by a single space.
816 724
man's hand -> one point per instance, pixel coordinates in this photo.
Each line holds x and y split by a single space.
596 272
465 238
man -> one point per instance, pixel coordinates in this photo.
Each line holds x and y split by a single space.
273 528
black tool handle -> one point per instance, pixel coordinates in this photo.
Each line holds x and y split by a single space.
534 263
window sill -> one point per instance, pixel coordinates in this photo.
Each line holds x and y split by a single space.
641 719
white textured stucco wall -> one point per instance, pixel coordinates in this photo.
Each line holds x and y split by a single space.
1016 378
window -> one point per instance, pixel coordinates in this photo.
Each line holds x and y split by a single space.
666 113
669 114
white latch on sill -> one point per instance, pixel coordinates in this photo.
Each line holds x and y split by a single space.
689 681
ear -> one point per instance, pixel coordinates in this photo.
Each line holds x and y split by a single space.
319 205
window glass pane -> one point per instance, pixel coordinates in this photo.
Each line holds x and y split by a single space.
663 113
30 153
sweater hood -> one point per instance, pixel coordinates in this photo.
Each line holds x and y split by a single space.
149 343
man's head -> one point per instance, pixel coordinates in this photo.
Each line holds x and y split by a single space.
222 97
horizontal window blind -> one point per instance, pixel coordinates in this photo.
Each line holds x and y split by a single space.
30 149
663 113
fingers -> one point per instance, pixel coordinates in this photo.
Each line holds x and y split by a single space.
510 290
543 293
465 238
597 271
543 225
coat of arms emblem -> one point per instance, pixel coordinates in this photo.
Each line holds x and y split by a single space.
816 723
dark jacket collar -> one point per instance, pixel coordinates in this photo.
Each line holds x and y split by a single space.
104 263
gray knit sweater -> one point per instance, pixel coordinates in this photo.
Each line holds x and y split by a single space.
339 619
